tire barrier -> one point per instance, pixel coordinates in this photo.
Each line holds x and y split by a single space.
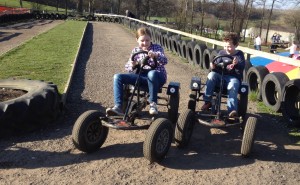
157 35
161 39
206 59
174 43
290 105
272 88
190 51
6 18
39 106
183 47
179 51
255 76
166 41
57 16
169 42
198 54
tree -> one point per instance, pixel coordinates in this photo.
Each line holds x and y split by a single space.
269 20
80 6
292 18
233 15
202 5
246 25
243 16
21 3
263 4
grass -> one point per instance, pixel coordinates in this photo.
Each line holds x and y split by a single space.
27 4
262 108
47 57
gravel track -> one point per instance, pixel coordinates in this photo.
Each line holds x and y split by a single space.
212 157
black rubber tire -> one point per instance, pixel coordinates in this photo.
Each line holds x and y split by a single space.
192 101
248 136
161 39
184 128
290 106
88 134
190 51
167 42
242 104
179 51
173 106
198 54
40 106
255 76
174 41
158 140
206 59
272 87
183 47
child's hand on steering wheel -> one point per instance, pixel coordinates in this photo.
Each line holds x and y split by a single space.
134 63
152 54
234 62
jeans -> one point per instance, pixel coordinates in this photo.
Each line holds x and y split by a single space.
258 47
233 85
153 80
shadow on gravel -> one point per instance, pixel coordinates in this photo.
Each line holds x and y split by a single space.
7 36
218 148
40 159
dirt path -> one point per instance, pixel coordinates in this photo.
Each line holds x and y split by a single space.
14 35
212 157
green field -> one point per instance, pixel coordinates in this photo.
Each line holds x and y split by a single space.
47 57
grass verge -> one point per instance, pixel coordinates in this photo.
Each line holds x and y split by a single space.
47 57
262 108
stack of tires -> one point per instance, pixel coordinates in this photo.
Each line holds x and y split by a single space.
38 107
277 91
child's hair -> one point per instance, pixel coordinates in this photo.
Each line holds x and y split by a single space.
231 37
142 31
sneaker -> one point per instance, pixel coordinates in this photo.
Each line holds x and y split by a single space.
206 106
232 114
153 108
115 111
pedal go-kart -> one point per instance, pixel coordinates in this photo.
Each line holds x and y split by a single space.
91 128
216 117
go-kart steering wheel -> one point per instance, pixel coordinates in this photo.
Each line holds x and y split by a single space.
224 63
145 61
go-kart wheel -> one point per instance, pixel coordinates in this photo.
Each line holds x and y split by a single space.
88 134
192 101
248 136
242 104
173 108
158 140
184 128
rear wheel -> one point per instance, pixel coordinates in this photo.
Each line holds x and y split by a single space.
158 140
88 134
184 128
248 136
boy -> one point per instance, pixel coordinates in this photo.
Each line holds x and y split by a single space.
233 75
